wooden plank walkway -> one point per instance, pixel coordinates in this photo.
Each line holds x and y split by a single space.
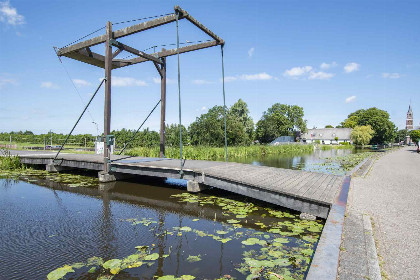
303 191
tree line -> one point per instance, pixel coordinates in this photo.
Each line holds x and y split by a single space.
370 126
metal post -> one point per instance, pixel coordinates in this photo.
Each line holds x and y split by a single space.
51 138
162 107
107 108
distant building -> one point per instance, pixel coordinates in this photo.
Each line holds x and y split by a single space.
283 139
409 120
327 135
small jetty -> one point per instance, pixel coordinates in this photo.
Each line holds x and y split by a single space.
307 192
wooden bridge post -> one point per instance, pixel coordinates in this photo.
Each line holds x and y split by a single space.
107 109
162 107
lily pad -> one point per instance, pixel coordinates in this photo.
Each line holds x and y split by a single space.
193 259
59 272
151 257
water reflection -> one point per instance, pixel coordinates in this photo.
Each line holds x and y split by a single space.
304 161
47 225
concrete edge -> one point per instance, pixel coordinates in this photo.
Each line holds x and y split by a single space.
357 167
372 255
325 262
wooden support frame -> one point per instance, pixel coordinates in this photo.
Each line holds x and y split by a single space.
81 51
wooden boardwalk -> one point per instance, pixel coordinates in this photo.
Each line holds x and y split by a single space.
303 191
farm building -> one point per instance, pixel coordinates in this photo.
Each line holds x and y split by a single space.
327 135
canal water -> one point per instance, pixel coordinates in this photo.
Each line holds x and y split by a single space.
313 161
66 227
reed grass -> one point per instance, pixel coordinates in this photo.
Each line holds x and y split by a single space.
218 153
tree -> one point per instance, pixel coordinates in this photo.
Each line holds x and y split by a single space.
415 136
361 135
379 121
172 135
329 126
350 122
401 135
240 112
209 128
280 120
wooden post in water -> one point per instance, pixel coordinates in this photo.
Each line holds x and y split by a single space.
107 109
162 107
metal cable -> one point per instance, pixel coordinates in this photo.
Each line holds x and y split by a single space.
134 136
78 93
179 95
81 115
84 37
224 102
121 22
171 44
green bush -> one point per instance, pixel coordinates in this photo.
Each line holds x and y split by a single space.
9 162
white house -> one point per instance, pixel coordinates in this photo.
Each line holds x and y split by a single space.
327 135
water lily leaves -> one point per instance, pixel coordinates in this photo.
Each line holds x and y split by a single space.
59 272
281 240
224 240
241 216
253 241
307 252
221 232
142 248
78 265
114 265
105 277
151 257
186 229
310 239
94 261
186 277
135 264
195 220
167 277
92 269
314 229
192 259
233 221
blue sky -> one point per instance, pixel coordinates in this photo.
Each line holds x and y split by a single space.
330 57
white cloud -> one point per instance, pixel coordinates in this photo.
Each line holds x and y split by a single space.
253 77
230 79
7 81
350 99
126 82
391 75
156 80
201 82
320 75
49 85
325 65
204 108
249 77
351 67
296 72
9 15
81 83
251 52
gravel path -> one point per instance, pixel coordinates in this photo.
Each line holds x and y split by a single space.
390 194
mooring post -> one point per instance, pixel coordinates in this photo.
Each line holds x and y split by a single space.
162 107
107 109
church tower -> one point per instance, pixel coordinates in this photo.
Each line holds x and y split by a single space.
409 121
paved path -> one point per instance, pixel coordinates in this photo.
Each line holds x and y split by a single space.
390 194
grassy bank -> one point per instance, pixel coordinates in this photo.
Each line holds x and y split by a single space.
218 153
